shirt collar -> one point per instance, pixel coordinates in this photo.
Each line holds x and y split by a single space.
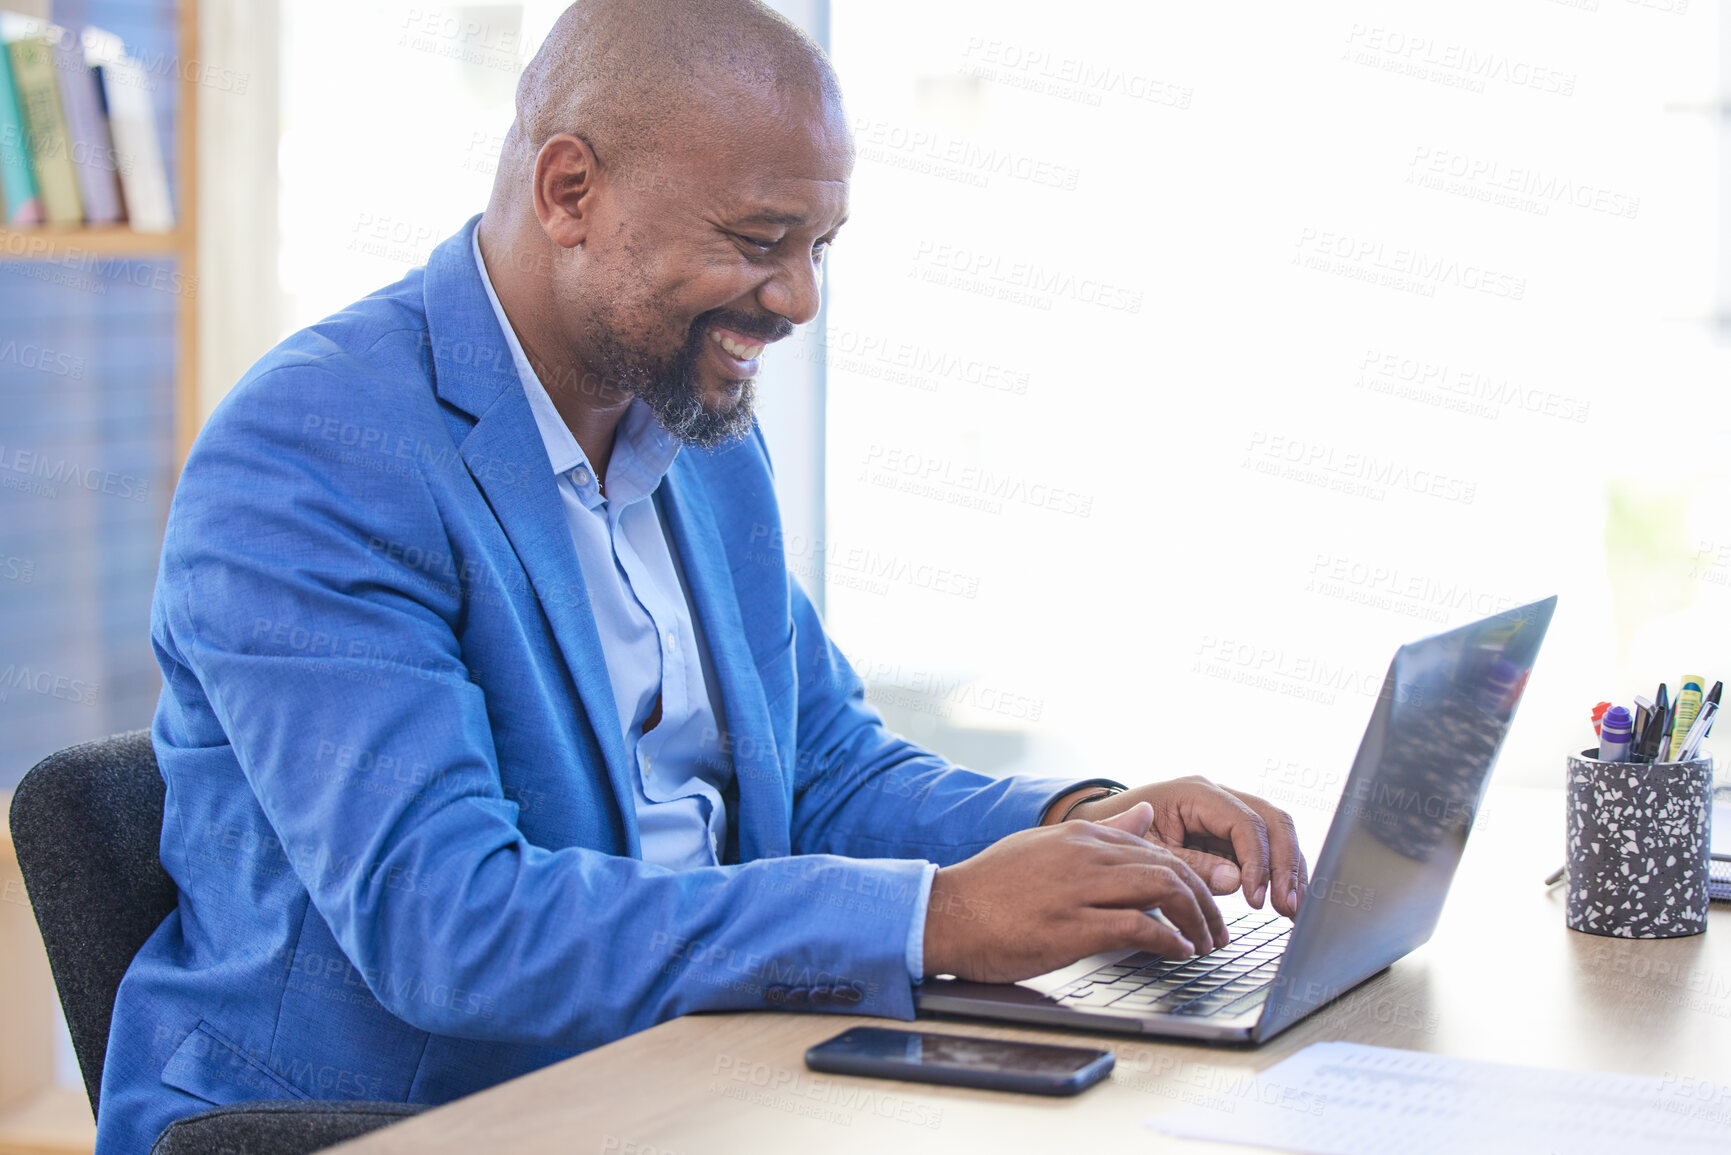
643 451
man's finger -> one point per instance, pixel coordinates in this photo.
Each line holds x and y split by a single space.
1121 929
1287 867
1205 808
1221 874
1205 902
1173 889
1135 820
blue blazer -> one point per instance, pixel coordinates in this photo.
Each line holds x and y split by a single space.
399 812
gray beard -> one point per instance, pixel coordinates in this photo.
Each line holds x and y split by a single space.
672 392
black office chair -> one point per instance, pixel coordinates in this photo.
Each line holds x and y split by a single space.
86 824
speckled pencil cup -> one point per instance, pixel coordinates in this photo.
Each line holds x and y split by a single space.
1638 846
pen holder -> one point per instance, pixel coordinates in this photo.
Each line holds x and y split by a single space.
1638 846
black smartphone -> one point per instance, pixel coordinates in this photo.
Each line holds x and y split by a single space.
960 1060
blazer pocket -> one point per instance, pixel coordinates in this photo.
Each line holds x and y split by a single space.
777 672
213 1067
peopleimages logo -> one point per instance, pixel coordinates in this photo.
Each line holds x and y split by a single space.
1021 282
47 684
1396 266
1526 187
38 473
931 153
1038 69
1454 65
1359 474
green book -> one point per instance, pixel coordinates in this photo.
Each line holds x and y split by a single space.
45 126
19 204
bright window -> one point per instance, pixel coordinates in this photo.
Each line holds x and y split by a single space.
1186 359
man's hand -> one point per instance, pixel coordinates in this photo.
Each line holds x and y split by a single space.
1230 838
1043 898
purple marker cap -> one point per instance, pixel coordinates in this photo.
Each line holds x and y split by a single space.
1616 724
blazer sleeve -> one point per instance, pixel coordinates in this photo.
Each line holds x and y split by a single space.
861 790
301 632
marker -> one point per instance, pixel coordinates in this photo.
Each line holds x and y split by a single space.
1643 715
1614 734
1688 705
1650 741
1649 748
1698 731
1599 714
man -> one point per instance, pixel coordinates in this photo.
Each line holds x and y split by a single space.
493 726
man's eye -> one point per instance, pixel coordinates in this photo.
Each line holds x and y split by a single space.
757 242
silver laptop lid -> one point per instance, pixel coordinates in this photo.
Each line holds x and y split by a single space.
1407 807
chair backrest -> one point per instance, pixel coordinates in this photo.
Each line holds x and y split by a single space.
86 825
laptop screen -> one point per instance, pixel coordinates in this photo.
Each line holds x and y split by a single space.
1406 809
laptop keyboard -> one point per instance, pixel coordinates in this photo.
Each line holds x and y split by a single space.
1232 980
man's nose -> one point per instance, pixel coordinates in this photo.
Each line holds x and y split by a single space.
795 291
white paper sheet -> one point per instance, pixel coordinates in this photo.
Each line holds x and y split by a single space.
1348 1099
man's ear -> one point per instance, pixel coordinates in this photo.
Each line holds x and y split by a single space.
566 189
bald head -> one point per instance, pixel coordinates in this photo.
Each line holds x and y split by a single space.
638 79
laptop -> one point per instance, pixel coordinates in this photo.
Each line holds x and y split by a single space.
1378 885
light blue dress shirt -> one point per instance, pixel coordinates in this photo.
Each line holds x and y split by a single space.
646 622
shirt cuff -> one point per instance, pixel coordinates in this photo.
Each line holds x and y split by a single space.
916 949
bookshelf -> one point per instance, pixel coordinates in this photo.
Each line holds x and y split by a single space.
180 245
105 240
94 556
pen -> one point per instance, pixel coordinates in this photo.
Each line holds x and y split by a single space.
1656 727
1557 876
1698 731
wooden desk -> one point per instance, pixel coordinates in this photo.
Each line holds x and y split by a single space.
1503 980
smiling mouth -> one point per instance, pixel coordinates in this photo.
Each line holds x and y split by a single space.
738 349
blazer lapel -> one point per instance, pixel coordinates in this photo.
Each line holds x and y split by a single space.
474 370
763 798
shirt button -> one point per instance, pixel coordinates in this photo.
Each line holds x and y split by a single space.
669 641
580 476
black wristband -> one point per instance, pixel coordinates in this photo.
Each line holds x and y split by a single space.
1103 792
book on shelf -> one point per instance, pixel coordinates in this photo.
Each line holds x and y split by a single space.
84 146
132 121
19 204
86 131
38 86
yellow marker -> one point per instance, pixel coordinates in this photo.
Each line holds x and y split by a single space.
1688 705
